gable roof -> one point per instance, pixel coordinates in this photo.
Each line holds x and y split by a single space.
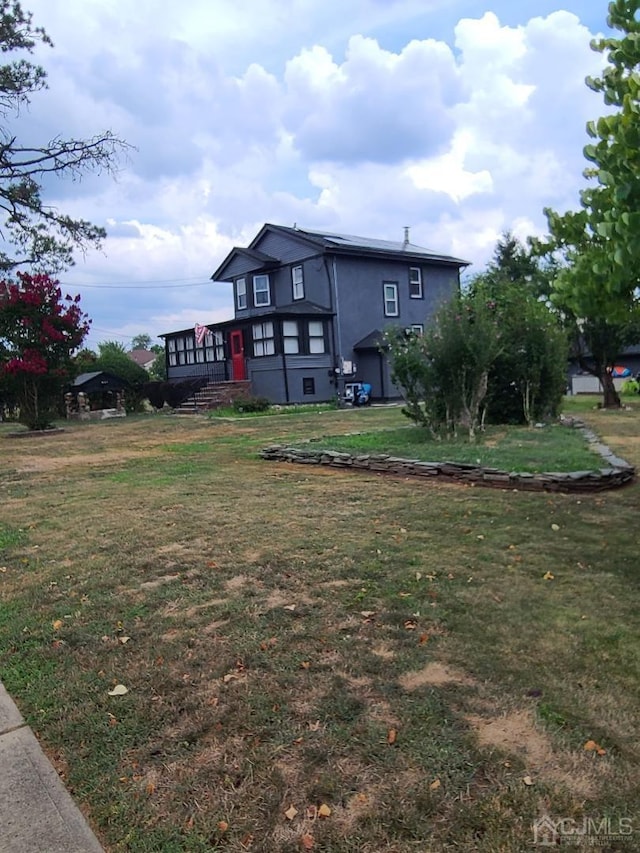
331 242
142 356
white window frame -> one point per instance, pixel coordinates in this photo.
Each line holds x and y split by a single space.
315 331
415 281
290 337
263 339
264 293
241 294
417 329
297 282
390 298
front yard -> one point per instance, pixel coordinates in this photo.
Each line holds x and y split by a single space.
317 659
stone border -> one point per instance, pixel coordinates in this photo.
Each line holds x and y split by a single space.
618 473
35 433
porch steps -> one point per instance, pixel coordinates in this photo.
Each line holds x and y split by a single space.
213 395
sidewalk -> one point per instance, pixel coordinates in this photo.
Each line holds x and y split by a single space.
37 814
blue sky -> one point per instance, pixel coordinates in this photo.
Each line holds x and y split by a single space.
458 118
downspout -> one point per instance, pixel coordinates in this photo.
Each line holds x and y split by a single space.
334 320
339 376
284 363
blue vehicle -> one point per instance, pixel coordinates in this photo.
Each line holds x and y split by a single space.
357 393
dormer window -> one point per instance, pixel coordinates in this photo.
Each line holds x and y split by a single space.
261 291
297 281
241 294
415 283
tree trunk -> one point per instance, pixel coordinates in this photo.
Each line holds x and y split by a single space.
610 397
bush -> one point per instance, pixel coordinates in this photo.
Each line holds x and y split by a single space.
629 387
251 404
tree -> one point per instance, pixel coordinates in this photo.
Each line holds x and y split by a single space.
34 233
39 330
142 341
598 247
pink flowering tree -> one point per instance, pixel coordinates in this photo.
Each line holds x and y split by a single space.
39 331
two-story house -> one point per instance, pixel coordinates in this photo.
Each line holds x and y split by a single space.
310 310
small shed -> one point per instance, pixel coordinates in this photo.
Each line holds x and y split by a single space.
96 395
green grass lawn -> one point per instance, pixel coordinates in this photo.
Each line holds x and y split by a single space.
314 658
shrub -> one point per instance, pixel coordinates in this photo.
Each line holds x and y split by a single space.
251 404
630 386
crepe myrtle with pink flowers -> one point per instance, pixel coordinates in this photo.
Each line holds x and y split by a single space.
40 329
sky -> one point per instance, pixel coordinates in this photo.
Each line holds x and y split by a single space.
459 118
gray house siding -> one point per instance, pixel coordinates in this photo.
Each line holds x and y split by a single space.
360 307
286 379
288 250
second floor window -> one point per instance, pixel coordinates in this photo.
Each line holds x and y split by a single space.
261 292
241 294
391 299
415 283
297 281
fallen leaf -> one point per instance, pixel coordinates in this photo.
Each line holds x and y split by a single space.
392 736
57 624
315 727
150 788
291 812
424 638
435 784
3 569
528 780
305 664
324 810
124 640
601 751
118 690
410 625
592 746
480 536
223 826
418 575
289 607
555 527
367 613
547 576
404 595
307 842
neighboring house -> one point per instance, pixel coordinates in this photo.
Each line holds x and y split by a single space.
310 311
627 366
142 357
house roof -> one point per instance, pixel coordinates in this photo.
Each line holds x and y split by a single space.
374 340
142 356
334 243
352 244
98 380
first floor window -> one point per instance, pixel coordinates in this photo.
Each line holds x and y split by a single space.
241 294
316 336
290 336
415 283
417 329
390 299
308 385
263 340
173 357
261 294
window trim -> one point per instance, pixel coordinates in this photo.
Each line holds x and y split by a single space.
416 283
387 300
266 291
241 293
297 286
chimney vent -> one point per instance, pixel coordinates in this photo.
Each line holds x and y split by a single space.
406 236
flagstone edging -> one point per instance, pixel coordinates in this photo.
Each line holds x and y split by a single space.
617 473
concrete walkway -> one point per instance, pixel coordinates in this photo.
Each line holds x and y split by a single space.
37 814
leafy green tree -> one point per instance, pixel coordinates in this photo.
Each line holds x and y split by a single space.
39 331
33 232
141 341
158 369
598 247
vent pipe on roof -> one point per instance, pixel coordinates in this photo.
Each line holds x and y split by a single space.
406 237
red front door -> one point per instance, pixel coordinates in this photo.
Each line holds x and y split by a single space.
238 367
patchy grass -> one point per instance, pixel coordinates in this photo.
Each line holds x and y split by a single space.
293 409
550 448
387 648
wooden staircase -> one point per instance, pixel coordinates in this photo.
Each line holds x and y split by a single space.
214 395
